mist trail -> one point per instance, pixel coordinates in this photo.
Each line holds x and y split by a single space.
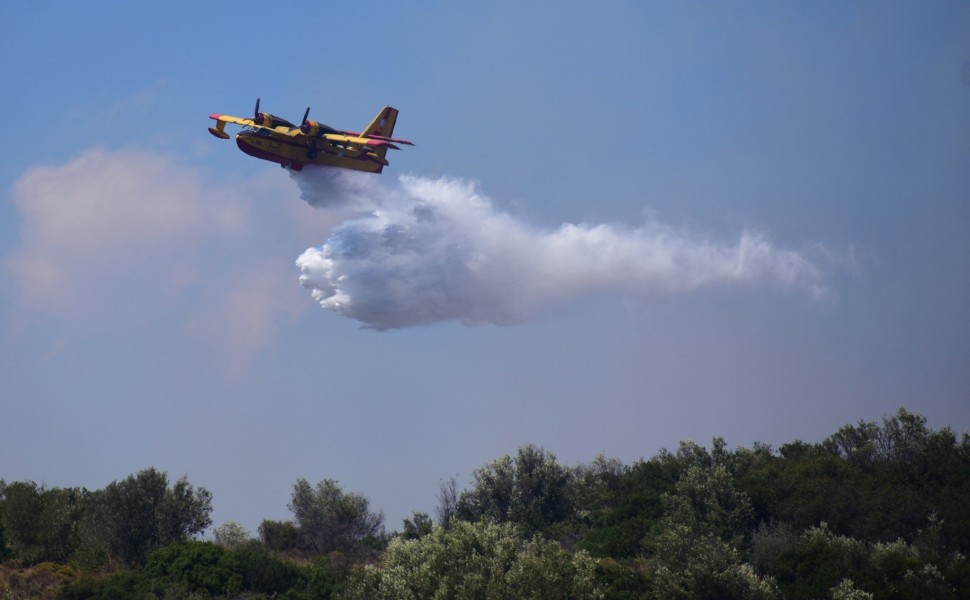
426 250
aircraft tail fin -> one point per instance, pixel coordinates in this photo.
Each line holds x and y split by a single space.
383 124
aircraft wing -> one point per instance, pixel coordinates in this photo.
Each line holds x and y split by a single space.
220 129
232 119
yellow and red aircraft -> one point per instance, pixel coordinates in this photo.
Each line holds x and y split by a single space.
271 138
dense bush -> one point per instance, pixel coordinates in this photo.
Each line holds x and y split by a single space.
127 520
204 569
873 511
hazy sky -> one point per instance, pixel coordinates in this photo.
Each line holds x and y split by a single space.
623 225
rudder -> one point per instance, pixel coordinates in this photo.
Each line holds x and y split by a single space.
383 123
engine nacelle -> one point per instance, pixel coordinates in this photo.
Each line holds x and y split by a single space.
316 129
268 120
311 128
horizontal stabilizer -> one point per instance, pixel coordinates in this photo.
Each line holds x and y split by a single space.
390 139
378 158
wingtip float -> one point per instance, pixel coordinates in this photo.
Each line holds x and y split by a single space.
271 138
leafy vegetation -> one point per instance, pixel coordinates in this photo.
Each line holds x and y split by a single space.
475 560
873 511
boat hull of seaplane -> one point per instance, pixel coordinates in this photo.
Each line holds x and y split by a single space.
294 155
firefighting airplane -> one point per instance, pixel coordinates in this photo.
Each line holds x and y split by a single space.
271 138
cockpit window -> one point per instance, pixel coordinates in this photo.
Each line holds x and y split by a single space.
255 130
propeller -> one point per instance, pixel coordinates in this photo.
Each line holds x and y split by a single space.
257 116
304 125
267 120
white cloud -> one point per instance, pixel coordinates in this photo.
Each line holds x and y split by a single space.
104 217
136 239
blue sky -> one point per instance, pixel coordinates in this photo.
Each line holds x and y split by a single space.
150 306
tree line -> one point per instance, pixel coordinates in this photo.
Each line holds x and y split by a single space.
876 510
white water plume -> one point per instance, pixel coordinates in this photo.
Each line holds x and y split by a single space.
432 250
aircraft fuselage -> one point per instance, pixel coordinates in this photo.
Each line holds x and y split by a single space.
271 138
289 148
